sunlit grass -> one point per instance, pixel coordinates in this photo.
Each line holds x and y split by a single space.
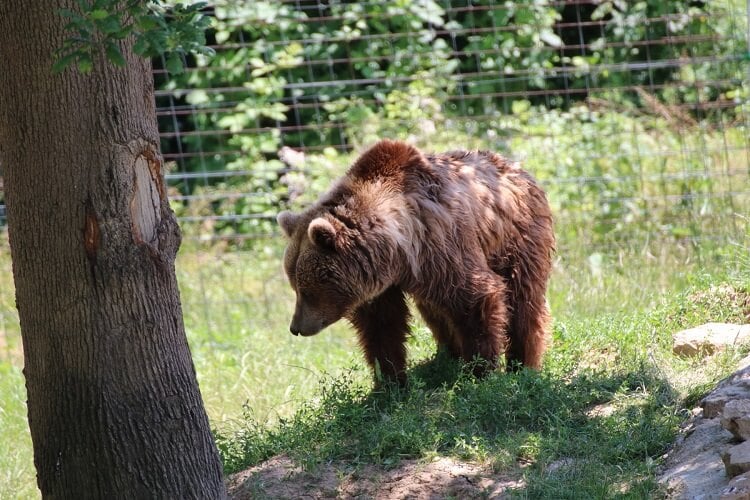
237 308
17 475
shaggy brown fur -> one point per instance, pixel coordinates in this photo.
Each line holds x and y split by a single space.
468 235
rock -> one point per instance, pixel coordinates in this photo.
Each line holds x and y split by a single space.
737 459
561 465
736 386
710 338
602 410
693 467
737 489
736 418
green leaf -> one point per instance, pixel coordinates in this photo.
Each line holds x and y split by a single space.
174 30
85 33
206 51
98 14
520 106
174 63
110 24
146 23
64 61
157 41
115 55
85 64
141 46
123 32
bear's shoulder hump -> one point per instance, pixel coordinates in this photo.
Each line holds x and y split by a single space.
386 159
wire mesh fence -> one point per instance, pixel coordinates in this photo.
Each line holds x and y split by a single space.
633 115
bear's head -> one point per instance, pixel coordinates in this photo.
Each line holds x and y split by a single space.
319 271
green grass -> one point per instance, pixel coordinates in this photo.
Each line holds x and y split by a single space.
17 475
268 392
237 308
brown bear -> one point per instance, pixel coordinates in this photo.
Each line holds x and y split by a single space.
468 235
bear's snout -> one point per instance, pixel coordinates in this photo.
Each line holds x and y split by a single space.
308 321
305 332
304 326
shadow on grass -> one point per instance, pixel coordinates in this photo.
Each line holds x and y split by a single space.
592 433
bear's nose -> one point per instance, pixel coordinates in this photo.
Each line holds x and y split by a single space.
294 330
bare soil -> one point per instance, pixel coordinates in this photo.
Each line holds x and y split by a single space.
280 478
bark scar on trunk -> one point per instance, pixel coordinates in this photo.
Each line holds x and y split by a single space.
145 203
152 222
91 233
155 168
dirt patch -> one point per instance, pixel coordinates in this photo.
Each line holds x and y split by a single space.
441 478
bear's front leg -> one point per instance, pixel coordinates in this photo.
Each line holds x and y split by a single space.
383 324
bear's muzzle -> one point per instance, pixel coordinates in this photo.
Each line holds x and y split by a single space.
305 328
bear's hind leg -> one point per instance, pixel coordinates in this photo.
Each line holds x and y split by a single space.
528 329
383 324
485 327
441 329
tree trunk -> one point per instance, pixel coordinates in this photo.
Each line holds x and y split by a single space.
113 401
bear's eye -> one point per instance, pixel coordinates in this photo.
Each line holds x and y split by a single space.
307 298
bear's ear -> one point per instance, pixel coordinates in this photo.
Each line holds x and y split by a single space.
322 233
288 222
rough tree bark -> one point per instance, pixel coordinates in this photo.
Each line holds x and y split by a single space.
113 401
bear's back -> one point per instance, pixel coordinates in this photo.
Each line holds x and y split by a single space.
496 202
448 203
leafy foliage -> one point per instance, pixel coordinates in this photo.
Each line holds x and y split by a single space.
333 78
99 25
